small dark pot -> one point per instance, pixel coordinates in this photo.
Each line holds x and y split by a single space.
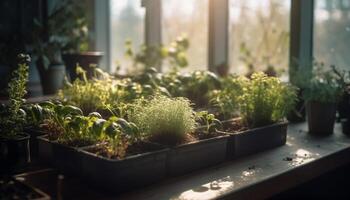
193 156
84 60
256 140
345 124
321 117
14 153
34 133
344 106
122 175
53 79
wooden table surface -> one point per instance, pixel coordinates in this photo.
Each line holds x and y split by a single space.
258 176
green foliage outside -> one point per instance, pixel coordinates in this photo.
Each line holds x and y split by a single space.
154 55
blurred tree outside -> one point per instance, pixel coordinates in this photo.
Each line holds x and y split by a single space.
259 36
332 33
187 18
127 23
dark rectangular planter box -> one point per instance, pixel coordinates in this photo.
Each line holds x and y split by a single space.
65 158
126 174
45 149
34 133
256 140
193 156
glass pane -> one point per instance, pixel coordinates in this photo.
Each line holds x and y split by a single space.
259 36
127 23
188 17
332 32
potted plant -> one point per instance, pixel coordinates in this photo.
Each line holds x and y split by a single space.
122 160
321 96
299 77
106 153
14 143
172 122
344 102
67 130
71 21
47 46
262 102
103 152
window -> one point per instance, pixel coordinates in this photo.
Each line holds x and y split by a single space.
259 35
127 23
332 32
188 17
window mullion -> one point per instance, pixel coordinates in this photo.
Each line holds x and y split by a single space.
218 36
301 36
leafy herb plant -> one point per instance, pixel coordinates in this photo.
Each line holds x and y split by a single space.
265 100
226 99
324 85
13 119
208 124
164 120
324 91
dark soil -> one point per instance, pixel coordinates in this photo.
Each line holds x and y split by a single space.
77 143
199 135
72 143
234 126
134 149
172 140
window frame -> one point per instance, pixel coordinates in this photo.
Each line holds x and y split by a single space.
301 32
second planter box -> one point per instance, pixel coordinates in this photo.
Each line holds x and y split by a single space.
255 140
193 156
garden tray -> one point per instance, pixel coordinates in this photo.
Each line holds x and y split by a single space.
126 174
65 158
256 140
34 133
193 156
